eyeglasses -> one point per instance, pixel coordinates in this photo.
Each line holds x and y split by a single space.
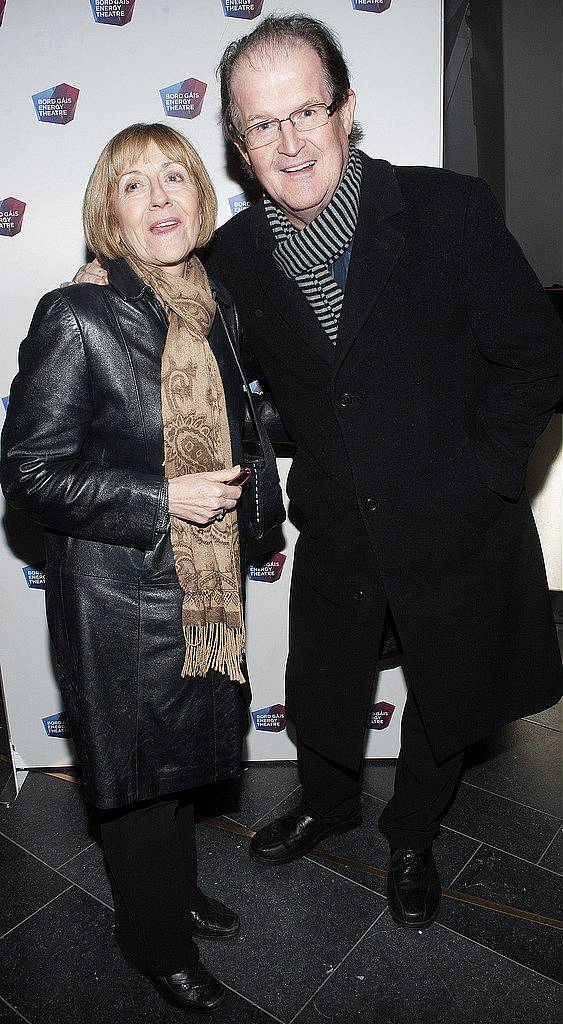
314 115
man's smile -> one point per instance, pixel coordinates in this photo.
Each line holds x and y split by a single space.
299 167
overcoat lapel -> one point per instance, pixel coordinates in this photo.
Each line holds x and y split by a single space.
284 294
375 252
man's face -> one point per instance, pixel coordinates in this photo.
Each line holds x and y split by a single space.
299 171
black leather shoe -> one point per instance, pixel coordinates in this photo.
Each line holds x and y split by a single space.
192 989
215 922
413 887
290 837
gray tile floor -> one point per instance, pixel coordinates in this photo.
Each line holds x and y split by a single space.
317 943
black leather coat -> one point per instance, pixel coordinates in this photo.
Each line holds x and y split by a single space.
82 454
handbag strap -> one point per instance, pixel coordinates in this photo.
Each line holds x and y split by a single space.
263 440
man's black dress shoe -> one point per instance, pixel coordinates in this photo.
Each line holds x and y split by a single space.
215 922
413 887
290 837
192 989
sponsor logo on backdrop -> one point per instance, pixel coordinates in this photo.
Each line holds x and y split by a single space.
56 105
112 12
375 6
5 402
2 9
11 216
381 715
184 99
247 9
35 576
56 726
268 571
239 203
270 719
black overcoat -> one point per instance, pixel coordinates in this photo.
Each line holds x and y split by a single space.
82 454
412 435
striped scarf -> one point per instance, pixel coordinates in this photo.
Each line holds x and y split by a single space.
306 255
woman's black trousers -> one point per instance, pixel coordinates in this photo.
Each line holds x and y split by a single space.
152 864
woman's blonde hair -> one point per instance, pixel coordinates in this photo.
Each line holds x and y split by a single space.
98 212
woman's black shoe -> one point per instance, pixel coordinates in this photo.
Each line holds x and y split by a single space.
215 922
192 989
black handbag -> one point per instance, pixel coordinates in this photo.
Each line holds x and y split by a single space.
262 498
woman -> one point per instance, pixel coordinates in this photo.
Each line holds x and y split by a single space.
123 438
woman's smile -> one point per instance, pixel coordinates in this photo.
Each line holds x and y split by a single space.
164 226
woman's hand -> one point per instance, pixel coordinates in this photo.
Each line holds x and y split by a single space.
202 497
91 273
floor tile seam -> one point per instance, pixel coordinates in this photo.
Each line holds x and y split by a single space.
551 842
337 968
541 725
252 1003
501 849
17 1012
372 796
35 856
482 789
87 892
481 843
460 872
529 807
35 912
56 871
75 855
272 809
460 1009
333 871
496 952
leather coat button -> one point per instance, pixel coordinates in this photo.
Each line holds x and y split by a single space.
371 504
345 399
258 313
359 595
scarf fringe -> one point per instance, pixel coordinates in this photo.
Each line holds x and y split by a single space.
214 645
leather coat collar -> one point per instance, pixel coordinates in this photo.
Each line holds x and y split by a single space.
124 280
130 287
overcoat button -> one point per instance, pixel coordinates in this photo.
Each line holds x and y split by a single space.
258 313
345 399
358 595
371 504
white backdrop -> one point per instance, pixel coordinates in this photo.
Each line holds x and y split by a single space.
72 75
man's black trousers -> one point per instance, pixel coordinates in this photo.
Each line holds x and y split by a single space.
338 607
423 788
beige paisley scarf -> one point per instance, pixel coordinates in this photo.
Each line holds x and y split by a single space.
197 440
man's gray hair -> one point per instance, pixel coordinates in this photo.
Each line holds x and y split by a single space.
271 35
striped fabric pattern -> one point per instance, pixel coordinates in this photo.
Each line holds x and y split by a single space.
307 255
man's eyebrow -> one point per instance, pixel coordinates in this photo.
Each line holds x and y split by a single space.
271 117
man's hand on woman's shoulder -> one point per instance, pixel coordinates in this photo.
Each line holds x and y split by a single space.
90 273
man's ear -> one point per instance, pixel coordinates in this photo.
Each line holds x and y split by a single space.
242 150
348 110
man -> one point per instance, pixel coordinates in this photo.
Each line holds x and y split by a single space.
414 360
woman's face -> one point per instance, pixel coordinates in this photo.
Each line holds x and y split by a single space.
157 210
